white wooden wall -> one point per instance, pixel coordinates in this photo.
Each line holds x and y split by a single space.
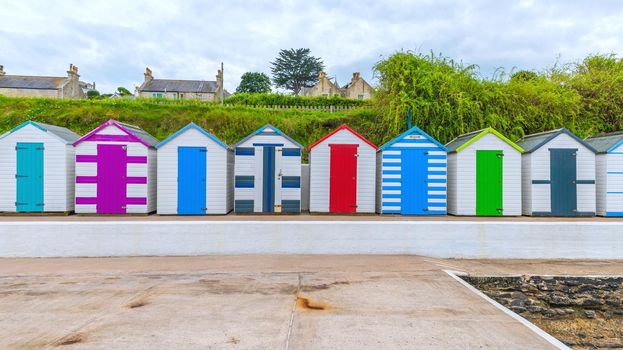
253 166
540 170
601 183
218 200
452 197
58 170
133 190
464 188
320 161
613 176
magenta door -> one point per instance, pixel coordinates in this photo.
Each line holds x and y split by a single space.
111 179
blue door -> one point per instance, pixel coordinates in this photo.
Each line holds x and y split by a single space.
414 189
29 177
191 180
563 176
268 188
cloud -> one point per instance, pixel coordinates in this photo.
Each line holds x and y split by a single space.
112 42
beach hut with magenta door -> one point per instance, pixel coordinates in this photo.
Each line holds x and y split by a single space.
267 173
412 178
342 173
559 174
484 175
116 170
37 172
195 173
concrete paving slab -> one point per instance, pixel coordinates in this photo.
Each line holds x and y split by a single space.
252 302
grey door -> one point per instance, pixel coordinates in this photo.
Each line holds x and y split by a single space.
564 200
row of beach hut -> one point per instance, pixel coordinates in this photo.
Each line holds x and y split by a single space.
119 168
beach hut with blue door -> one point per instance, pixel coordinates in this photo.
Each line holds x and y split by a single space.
37 173
609 172
484 175
267 173
116 170
195 173
558 171
412 177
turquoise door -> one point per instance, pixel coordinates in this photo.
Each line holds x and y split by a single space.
563 176
29 177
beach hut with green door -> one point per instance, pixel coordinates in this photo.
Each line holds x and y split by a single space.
484 175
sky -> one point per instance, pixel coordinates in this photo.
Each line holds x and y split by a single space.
113 41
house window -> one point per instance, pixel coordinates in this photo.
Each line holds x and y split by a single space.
360 97
156 94
181 96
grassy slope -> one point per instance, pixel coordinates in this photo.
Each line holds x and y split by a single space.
229 123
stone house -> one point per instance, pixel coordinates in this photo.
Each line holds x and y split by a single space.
205 90
357 88
39 86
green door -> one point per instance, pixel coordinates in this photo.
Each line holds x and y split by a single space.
489 183
29 177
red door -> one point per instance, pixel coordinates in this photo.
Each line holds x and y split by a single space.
343 182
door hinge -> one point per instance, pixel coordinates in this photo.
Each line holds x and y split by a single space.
356 155
203 150
40 204
354 206
500 210
18 204
500 154
204 209
124 147
40 148
18 176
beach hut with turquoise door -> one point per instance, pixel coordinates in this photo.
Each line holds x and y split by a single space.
484 175
609 172
116 170
195 173
558 174
267 173
412 175
342 175
37 172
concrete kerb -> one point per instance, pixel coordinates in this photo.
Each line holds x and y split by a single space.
555 342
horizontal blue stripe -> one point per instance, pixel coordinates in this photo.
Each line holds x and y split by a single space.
392 180
392 172
615 172
268 144
414 141
437 181
392 156
391 211
436 196
392 195
291 152
245 151
427 149
614 213
615 192
540 182
390 188
436 157
437 173
585 182
393 204
391 164
615 152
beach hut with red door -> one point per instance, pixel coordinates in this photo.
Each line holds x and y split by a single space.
342 173
116 170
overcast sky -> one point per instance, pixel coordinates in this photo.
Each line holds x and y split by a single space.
113 41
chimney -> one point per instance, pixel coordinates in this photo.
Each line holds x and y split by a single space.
220 90
356 76
322 75
72 73
148 76
2 70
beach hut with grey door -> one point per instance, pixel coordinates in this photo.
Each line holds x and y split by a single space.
267 173
609 173
342 173
195 173
116 170
412 177
37 173
558 171
484 175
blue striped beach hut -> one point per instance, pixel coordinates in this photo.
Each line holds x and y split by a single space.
412 175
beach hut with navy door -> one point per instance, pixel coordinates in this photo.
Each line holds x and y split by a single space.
558 174
484 175
412 175
342 175
195 173
116 170
267 173
37 173
609 173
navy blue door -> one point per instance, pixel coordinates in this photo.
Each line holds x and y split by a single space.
268 188
414 178
563 181
191 180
